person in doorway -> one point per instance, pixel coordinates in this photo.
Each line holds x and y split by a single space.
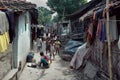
44 61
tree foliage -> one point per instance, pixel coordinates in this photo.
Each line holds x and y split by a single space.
65 7
45 16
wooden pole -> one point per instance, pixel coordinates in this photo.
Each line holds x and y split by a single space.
108 39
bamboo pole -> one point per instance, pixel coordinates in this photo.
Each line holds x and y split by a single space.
108 39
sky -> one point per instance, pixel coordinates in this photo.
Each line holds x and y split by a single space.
88 0
42 3
39 3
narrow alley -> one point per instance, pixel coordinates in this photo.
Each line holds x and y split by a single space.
59 70
59 39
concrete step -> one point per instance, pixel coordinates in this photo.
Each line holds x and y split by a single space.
11 74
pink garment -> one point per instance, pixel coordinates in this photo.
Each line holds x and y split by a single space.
90 30
46 57
94 15
99 28
77 59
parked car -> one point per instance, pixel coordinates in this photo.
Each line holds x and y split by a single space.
71 47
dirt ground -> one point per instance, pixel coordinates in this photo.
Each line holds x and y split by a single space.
59 70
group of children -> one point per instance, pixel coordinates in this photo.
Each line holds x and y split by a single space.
52 48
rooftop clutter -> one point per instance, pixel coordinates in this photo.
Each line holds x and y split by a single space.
17 5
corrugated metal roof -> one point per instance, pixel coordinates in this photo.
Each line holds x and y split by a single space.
84 9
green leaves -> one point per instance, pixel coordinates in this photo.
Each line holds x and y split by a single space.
44 15
65 7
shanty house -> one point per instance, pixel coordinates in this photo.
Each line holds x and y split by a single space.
93 19
15 36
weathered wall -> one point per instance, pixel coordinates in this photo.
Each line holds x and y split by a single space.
23 37
5 62
99 56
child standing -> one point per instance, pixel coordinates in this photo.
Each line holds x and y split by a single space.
52 49
57 46
48 48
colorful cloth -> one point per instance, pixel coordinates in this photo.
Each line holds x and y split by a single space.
98 29
103 32
3 44
46 57
90 30
4 41
7 38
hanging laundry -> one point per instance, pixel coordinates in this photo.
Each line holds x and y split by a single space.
3 44
94 15
94 30
90 30
103 31
2 49
99 28
10 16
104 13
113 28
99 14
7 38
119 43
4 28
89 34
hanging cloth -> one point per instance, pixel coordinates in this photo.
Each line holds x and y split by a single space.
90 30
3 43
4 26
11 21
113 29
2 48
103 32
119 43
94 15
99 28
7 38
